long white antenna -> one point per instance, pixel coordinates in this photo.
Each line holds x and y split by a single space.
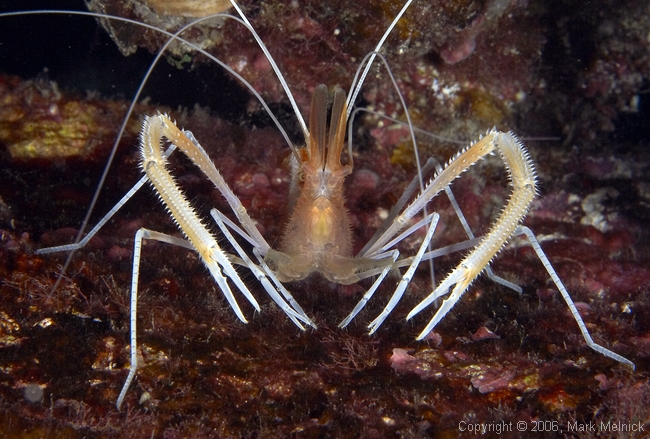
276 69
353 95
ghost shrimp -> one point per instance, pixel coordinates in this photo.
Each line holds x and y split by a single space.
317 238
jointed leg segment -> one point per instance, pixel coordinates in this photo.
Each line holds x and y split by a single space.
522 230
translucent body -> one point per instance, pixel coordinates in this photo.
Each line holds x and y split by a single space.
317 238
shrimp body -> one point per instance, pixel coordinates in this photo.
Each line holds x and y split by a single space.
317 238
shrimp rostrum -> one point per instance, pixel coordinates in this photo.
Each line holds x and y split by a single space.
317 238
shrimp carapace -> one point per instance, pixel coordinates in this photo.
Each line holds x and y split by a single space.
317 237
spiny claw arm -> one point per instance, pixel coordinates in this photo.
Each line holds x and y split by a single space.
154 163
522 175
456 167
186 142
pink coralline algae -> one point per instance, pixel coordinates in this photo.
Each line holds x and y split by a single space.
459 52
483 333
491 381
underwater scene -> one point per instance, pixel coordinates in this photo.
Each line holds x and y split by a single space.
571 81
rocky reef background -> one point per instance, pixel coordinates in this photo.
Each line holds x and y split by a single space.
573 81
